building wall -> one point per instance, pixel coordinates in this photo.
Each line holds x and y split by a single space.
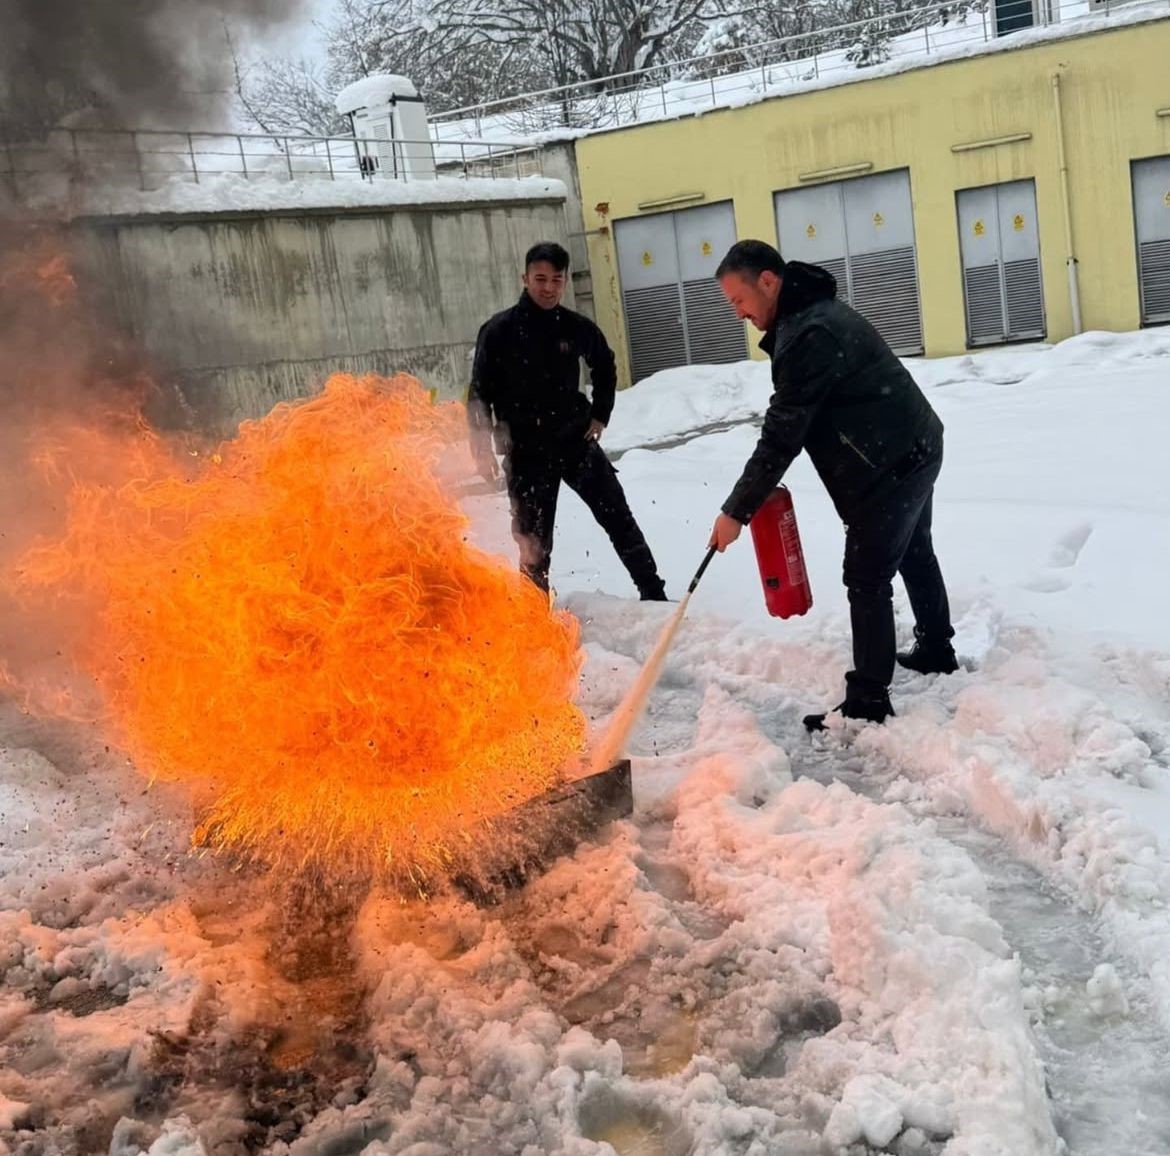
241 311
558 159
1112 85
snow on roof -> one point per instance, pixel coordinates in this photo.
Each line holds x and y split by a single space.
962 37
233 194
370 90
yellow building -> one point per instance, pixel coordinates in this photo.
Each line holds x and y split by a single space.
951 200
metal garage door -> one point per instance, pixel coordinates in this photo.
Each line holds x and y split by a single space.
1151 210
862 231
676 313
1000 243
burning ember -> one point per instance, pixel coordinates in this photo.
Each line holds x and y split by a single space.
297 621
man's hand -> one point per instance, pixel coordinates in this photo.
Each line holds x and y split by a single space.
595 430
724 532
486 464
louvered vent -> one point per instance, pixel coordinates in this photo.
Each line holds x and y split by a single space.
984 304
1154 266
714 333
1025 301
654 327
884 290
838 268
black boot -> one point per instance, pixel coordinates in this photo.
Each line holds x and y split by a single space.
869 709
654 593
929 656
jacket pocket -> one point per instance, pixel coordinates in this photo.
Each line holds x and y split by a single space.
846 441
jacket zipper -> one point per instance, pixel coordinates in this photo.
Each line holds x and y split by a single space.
858 452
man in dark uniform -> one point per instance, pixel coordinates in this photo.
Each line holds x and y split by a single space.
526 402
842 395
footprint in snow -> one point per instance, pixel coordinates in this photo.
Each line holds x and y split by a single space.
1069 545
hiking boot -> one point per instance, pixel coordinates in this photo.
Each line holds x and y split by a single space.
929 656
876 710
653 593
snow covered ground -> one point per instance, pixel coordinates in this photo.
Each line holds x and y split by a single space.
950 934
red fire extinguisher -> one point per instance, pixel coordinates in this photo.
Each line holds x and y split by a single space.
781 560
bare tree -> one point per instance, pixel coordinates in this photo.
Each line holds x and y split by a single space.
579 39
468 52
289 97
453 65
811 26
765 21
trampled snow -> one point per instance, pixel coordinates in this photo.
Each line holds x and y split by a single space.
795 946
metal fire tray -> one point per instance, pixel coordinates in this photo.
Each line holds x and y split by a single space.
553 825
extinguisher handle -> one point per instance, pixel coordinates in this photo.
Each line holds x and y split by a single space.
701 570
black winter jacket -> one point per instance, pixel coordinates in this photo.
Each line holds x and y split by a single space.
526 376
841 394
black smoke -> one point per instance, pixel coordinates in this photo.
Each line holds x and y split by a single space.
122 63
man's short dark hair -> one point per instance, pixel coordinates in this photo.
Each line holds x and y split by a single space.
556 255
751 257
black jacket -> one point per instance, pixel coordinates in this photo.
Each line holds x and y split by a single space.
526 377
841 394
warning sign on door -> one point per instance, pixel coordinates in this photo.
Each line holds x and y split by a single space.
811 231
647 258
878 220
1018 222
978 229
706 249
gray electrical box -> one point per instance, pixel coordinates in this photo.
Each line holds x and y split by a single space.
1151 214
999 238
862 231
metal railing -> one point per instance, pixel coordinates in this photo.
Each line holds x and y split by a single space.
148 159
462 143
772 67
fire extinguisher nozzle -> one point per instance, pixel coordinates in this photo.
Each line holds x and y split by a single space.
701 570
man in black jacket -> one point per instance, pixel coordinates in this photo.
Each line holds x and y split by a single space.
877 444
525 400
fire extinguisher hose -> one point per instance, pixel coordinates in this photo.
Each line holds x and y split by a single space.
613 743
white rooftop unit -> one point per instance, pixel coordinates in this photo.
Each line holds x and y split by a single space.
389 123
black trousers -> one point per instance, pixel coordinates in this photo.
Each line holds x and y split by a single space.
534 481
891 535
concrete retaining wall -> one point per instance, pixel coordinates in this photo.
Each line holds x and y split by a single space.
244 310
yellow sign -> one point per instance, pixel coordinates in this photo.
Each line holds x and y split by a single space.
706 248
978 229
878 220
1018 222
1166 198
811 231
647 258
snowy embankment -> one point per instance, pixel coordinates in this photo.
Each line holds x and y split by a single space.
762 962
234 193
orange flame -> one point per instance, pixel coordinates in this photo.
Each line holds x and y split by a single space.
54 280
298 620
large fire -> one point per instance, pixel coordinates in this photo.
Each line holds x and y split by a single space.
297 620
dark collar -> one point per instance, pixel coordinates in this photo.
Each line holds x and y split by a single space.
804 285
530 309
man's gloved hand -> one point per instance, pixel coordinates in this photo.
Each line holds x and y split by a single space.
595 430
